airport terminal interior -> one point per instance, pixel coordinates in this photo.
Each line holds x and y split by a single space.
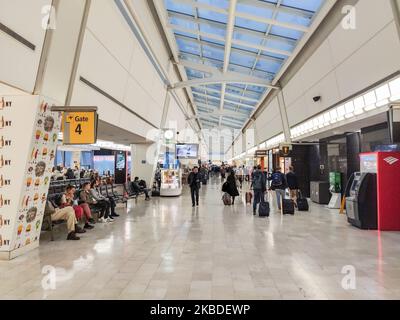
199 149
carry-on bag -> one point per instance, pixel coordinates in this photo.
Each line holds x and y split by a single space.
302 202
249 196
227 199
287 206
263 209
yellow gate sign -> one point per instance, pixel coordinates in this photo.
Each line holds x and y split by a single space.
80 127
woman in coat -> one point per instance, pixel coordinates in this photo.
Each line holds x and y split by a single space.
232 187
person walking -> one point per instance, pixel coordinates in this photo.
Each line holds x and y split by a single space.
258 185
293 184
232 187
223 173
279 185
194 181
246 173
240 175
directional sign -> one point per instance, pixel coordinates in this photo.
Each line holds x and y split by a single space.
80 127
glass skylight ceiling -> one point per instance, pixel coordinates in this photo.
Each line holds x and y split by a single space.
265 34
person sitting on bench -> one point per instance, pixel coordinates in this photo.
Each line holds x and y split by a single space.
138 188
66 214
97 199
81 209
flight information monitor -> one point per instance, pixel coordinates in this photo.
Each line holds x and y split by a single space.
187 151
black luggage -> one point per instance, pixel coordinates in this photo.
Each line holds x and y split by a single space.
263 210
287 206
302 202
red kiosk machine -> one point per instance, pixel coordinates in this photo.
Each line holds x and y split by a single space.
374 201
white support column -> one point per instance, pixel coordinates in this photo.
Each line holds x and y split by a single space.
142 167
396 13
284 117
145 156
228 47
61 51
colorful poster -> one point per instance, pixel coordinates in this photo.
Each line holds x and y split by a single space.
26 167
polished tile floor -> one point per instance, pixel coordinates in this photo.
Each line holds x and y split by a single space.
164 249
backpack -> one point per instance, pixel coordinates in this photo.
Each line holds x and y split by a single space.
258 181
276 179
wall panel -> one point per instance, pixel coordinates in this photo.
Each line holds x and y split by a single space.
18 63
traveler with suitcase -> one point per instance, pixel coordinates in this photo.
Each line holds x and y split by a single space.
232 188
240 175
292 183
258 185
278 184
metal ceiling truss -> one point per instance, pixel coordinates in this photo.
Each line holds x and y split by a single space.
213 84
201 5
214 70
237 29
184 55
284 9
234 41
251 106
224 79
227 94
265 38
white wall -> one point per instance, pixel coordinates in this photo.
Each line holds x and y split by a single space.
62 50
113 60
347 62
18 63
268 123
175 117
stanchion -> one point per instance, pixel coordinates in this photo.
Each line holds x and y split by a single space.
342 206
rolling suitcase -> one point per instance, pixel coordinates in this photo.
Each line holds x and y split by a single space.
302 202
249 196
263 210
287 206
227 199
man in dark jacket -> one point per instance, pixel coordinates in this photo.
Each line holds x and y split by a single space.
292 182
232 187
258 184
137 188
194 180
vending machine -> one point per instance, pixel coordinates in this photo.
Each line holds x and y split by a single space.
380 171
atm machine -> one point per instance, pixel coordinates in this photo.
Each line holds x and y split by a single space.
374 201
361 205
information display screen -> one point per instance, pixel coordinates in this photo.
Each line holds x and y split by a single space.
187 151
121 161
102 164
368 163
